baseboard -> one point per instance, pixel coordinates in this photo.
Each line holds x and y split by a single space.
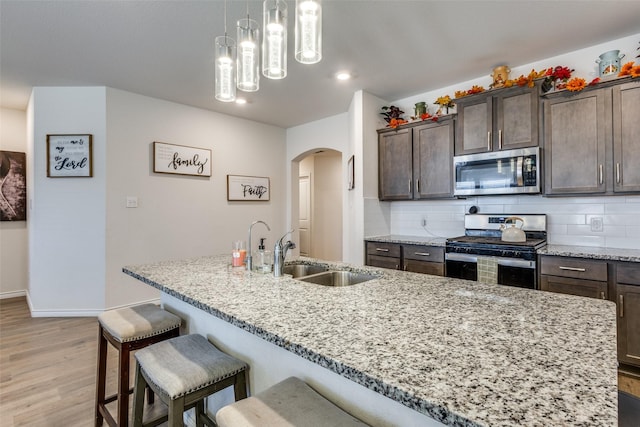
13 294
79 312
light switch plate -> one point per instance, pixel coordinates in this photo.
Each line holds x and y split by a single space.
132 202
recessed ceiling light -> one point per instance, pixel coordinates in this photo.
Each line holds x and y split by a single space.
241 101
343 75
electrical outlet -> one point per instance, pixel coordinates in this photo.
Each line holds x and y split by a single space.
596 223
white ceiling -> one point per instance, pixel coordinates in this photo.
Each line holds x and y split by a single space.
397 48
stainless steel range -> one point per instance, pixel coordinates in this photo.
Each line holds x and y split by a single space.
482 255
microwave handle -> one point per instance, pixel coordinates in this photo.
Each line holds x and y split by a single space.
519 166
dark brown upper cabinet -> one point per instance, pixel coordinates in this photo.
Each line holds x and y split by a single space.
498 120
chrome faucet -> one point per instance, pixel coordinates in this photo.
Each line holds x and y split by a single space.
249 258
280 252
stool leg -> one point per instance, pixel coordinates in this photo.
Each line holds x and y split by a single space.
199 412
138 397
240 387
123 386
176 412
101 373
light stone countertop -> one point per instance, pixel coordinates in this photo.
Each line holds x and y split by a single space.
609 254
411 240
461 352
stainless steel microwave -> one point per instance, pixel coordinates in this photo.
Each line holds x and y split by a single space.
498 172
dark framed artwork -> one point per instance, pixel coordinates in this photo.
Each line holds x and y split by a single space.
69 156
13 186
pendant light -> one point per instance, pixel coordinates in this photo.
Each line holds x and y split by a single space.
248 54
308 31
274 42
225 65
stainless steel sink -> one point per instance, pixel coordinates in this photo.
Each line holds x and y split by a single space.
299 270
337 278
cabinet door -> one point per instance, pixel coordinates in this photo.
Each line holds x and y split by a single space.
571 286
395 171
626 137
516 119
383 262
433 268
433 160
629 324
575 129
474 125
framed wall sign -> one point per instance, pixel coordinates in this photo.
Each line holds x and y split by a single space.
69 156
181 160
253 188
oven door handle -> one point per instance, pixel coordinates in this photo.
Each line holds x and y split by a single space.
514 262
460 257
507 262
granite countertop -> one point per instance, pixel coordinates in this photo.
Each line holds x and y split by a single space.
461 352
609 254
411 240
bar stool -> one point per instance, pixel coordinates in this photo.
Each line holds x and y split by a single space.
182 372
290 403
127 329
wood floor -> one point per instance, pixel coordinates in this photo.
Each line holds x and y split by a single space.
48 368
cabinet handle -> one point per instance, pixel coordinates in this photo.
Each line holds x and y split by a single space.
421 253
489 141
418 186
405 267
621 304
500 139
572 269
602 295
382 250
600 173
409 187
618 173
397 267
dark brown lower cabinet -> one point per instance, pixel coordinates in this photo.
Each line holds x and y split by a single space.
568 285
415 258
423 259
628 300
574 276
385 255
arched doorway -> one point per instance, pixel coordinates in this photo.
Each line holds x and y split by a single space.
319 207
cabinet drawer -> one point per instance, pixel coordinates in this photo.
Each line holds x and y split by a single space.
383 249
573 267
628 273
433 268
423 253
571 286
383 262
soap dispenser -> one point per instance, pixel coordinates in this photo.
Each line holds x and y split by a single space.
263 258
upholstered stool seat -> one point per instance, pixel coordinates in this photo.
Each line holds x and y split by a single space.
290 403
127 329
182 372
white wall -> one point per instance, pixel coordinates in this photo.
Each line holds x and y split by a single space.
82 234
13 234
183 216
569 218
67 215
327 206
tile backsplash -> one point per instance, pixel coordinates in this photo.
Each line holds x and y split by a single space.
569 219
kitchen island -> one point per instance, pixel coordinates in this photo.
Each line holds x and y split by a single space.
407 349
